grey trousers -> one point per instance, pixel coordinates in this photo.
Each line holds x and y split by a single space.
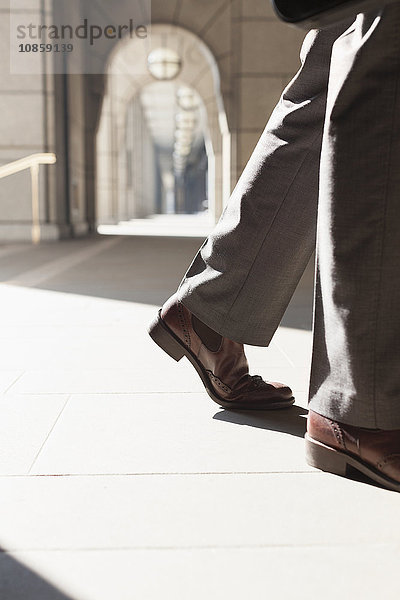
332 148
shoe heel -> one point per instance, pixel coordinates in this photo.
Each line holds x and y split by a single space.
324 458
160 335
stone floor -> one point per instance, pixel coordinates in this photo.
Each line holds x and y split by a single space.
120 479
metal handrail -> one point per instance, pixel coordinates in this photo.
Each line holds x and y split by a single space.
31 162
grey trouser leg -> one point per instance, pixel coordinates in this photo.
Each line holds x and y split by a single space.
243 277
356 360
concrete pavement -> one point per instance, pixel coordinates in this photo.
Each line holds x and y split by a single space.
120 479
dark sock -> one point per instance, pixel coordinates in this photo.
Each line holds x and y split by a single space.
211 339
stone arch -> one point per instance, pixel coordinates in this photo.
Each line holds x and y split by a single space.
126 76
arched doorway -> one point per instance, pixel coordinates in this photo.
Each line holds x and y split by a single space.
162 145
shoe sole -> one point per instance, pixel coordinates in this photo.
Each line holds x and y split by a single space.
329 459
162 335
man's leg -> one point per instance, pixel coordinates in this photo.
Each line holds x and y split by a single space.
354 419
357 379
240 283
243 277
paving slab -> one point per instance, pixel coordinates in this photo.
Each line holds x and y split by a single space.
25 423
283 573
170 433
193 511
8 378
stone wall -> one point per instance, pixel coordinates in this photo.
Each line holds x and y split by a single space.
256 56
26 127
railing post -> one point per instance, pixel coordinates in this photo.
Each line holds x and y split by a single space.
35 204
32 163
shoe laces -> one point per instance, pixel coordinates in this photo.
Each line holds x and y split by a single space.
256 381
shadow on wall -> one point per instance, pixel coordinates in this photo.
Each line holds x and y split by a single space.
19 582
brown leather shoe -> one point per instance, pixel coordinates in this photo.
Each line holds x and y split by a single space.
336 447
220 362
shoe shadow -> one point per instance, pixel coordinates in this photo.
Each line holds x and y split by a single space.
359 477
290 420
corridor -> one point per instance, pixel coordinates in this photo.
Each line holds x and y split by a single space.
119 477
